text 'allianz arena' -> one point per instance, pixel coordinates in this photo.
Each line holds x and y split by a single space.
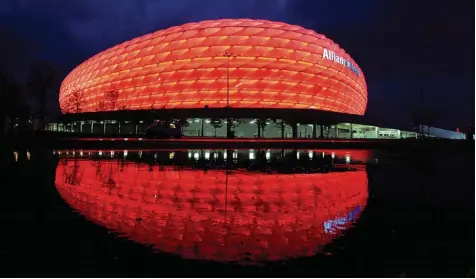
240 62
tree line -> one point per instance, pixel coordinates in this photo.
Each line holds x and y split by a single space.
261 124
40 83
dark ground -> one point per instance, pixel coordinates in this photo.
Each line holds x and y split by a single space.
419 221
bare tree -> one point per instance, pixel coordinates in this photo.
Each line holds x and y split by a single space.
101 106
325 126
75 177
182 121
110 104
75 102
4 97
110 100
41 81
216 123
280 124
235 122
294 127
12 103
262 123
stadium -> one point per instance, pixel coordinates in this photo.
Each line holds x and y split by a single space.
219 78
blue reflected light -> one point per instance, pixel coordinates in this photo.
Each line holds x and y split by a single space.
332 226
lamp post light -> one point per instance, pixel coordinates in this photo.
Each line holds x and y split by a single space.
228 130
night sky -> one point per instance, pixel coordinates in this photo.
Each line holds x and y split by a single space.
398 44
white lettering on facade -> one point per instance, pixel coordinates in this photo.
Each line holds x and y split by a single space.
329 54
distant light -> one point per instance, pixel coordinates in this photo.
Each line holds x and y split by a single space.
126 139
81 153
207 121
225 154
347 158
252 121
171 155
268 155
140 122
323 154
140 138
112 154
196 155
333 155
207 155
235 154
252 154
311 154
125 153
189 155
297 154
215 155
197 120
100 153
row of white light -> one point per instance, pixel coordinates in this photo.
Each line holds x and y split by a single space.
251 121
196 155
251 156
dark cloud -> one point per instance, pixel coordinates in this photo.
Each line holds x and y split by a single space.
398 44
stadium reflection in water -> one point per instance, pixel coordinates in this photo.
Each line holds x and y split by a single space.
264 207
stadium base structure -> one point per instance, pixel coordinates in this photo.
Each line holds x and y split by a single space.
261 124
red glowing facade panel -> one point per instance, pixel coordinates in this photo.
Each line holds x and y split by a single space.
272 65
259 217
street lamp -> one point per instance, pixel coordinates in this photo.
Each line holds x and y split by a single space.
228 130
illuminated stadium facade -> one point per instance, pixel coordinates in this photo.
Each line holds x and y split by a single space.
269 65
269 79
